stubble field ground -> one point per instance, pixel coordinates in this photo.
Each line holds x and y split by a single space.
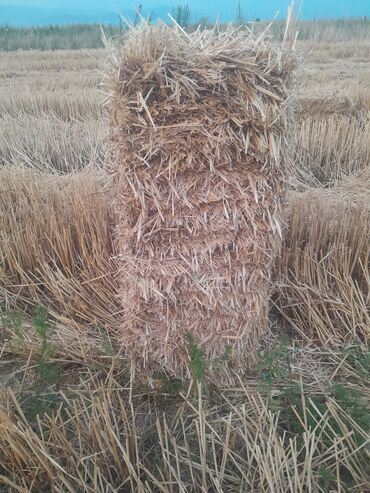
72 415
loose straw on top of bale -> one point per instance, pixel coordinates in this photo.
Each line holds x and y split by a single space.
199 127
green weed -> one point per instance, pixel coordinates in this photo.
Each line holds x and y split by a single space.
43 397
299 409
108 347
197 362
327 478
359 361
274 368
46 370
13 321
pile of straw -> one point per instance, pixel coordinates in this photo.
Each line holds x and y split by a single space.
199 126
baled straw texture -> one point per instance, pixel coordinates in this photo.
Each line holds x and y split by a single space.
198 126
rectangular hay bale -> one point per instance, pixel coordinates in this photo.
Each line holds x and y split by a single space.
198 125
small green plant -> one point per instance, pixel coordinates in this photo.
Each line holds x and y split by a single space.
108 347
220 363
352 403
13 321
197 363
168 385
300 410
46 370
40 322
226 355
358 360
43 397
274 368
327 478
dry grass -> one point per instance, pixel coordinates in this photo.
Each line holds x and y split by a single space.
105 440
324 271
68 106
65 146
55 245
332 32
330 146
36 62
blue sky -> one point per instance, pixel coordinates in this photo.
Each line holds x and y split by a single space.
225 8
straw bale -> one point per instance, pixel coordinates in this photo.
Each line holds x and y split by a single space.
199 132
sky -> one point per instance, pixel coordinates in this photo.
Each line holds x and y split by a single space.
225 8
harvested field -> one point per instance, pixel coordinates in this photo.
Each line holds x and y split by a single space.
74 413
56 244
324 288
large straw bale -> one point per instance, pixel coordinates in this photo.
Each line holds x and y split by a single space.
199 127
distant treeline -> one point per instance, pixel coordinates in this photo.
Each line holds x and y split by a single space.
79 36
66 37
